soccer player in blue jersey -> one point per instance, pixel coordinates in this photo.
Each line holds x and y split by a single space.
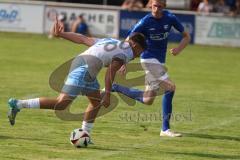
156 27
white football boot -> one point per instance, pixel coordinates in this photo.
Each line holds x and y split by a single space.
169 133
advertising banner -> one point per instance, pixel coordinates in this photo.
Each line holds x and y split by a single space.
101 22
218 31
21 18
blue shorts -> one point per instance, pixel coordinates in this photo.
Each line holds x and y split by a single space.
79 82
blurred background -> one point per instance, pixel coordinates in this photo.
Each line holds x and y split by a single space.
213 22
208 21
227 6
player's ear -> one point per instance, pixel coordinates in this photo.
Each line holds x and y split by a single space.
134 44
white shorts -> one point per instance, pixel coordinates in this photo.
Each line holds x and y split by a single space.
155 72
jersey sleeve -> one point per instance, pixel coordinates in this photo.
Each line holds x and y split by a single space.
177 24
120 56
139 27
96 40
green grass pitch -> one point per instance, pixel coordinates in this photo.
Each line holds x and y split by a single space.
206 107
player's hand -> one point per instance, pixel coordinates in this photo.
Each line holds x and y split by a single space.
58 27
175 51
106 100
123 70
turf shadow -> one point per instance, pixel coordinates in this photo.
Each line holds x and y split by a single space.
106 149
5 137
20 138
213 137
207 155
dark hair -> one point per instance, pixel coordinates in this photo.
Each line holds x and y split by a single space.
80 16
139 38
163 1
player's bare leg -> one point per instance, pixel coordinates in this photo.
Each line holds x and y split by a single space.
59 103
93 107
150 95
91 112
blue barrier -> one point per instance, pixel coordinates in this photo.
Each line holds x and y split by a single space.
188 21
128 20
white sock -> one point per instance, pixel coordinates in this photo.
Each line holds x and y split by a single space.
30 103
87 126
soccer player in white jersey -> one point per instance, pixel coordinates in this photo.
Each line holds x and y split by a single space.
81 80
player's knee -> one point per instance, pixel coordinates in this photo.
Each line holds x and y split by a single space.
148 101
173 87
62 103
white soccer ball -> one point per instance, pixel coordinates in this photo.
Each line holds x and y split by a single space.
79 138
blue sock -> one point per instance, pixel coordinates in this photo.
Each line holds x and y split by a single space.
167 109
130 92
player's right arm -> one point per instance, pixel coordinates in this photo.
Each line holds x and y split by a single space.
139 27
74 37
78 38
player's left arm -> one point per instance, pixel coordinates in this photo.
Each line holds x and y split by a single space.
109 78
185 40
183 44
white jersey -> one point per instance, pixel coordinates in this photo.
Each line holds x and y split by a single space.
108 48
101 55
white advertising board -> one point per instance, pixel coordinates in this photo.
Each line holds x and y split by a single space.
218 31
178 4
100 22
21 17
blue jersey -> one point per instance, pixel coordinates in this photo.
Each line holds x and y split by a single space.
156 32
82 28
